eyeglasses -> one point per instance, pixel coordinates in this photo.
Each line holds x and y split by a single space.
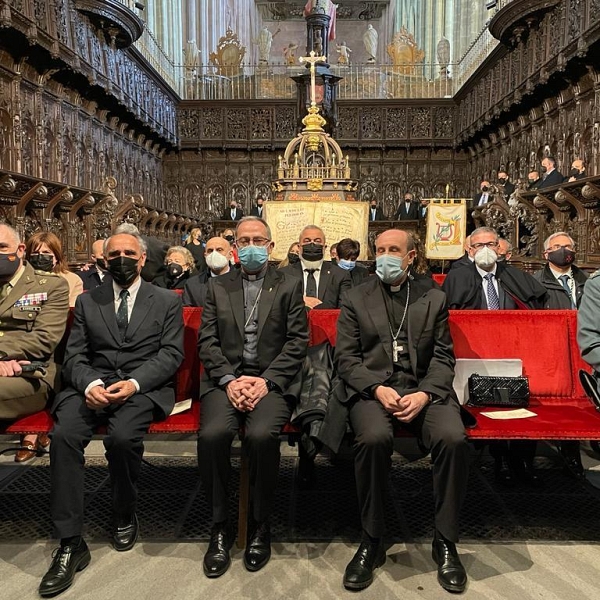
479 245
559 246
259 241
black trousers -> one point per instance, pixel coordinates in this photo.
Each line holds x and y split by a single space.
219 423
442 431
124 444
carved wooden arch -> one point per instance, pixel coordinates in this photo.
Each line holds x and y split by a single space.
62 197
37 192
564 198
149 220
167 225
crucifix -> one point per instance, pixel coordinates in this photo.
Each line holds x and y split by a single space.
312 60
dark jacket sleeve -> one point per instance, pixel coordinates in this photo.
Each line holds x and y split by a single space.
284 368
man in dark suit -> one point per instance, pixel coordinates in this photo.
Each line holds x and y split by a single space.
394 355
577 171
507 187
252 342
487 284
156 252
534 181
550 176
375 212
217 254
465 259
484 196
95 275
233 213
348 251
257 211
323 282
125 345
407 210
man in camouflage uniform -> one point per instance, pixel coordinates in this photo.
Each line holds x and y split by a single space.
34 307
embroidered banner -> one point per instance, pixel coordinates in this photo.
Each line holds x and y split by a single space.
446 230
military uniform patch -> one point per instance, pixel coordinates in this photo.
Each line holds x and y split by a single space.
32 299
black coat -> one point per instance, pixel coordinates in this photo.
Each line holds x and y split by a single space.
556 297
379 216
463 261
239 213
554 178
282 330
155 258
333 282
464 289
150 353
359 274
411 215
197 251
91 279
164 281
254 212
194 293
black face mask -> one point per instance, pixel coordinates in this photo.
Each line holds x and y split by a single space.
259 204
373 206
229 238
232 206
42 262
502 181
312 252
532 181
101 263
9 264
174 270
574 172
544 169
293 258
123 269
485 188
562 257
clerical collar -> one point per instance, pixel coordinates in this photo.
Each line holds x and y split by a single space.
394 289
254 276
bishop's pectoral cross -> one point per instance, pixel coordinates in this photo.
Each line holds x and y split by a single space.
312 60
396 349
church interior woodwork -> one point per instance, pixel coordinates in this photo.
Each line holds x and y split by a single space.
81 105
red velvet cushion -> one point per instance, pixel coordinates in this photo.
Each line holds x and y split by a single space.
543 339
187 379
323 324
439 278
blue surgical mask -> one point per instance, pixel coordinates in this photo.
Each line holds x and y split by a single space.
347 265
253 258
389 268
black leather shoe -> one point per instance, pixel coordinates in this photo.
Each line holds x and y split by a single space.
359 572
125 534
217 559
451 574
258 550
66 562
570 452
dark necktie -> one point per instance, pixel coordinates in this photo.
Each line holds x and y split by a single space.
564 281
122 317
311 283
492 295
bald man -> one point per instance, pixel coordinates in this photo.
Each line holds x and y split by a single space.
218 255
577 170
97 274
395 357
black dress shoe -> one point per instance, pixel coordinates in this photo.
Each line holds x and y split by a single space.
571 454
125 534
258 550
67 561
451 574
217 559
359 572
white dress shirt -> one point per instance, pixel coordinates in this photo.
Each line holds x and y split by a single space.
484 283
317 265
571 282
484 198
134 288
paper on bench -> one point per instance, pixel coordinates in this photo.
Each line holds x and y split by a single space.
495 367
181 406
505 415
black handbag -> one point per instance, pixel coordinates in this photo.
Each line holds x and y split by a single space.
498 391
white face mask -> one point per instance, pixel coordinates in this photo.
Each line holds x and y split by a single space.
485 258
216 262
